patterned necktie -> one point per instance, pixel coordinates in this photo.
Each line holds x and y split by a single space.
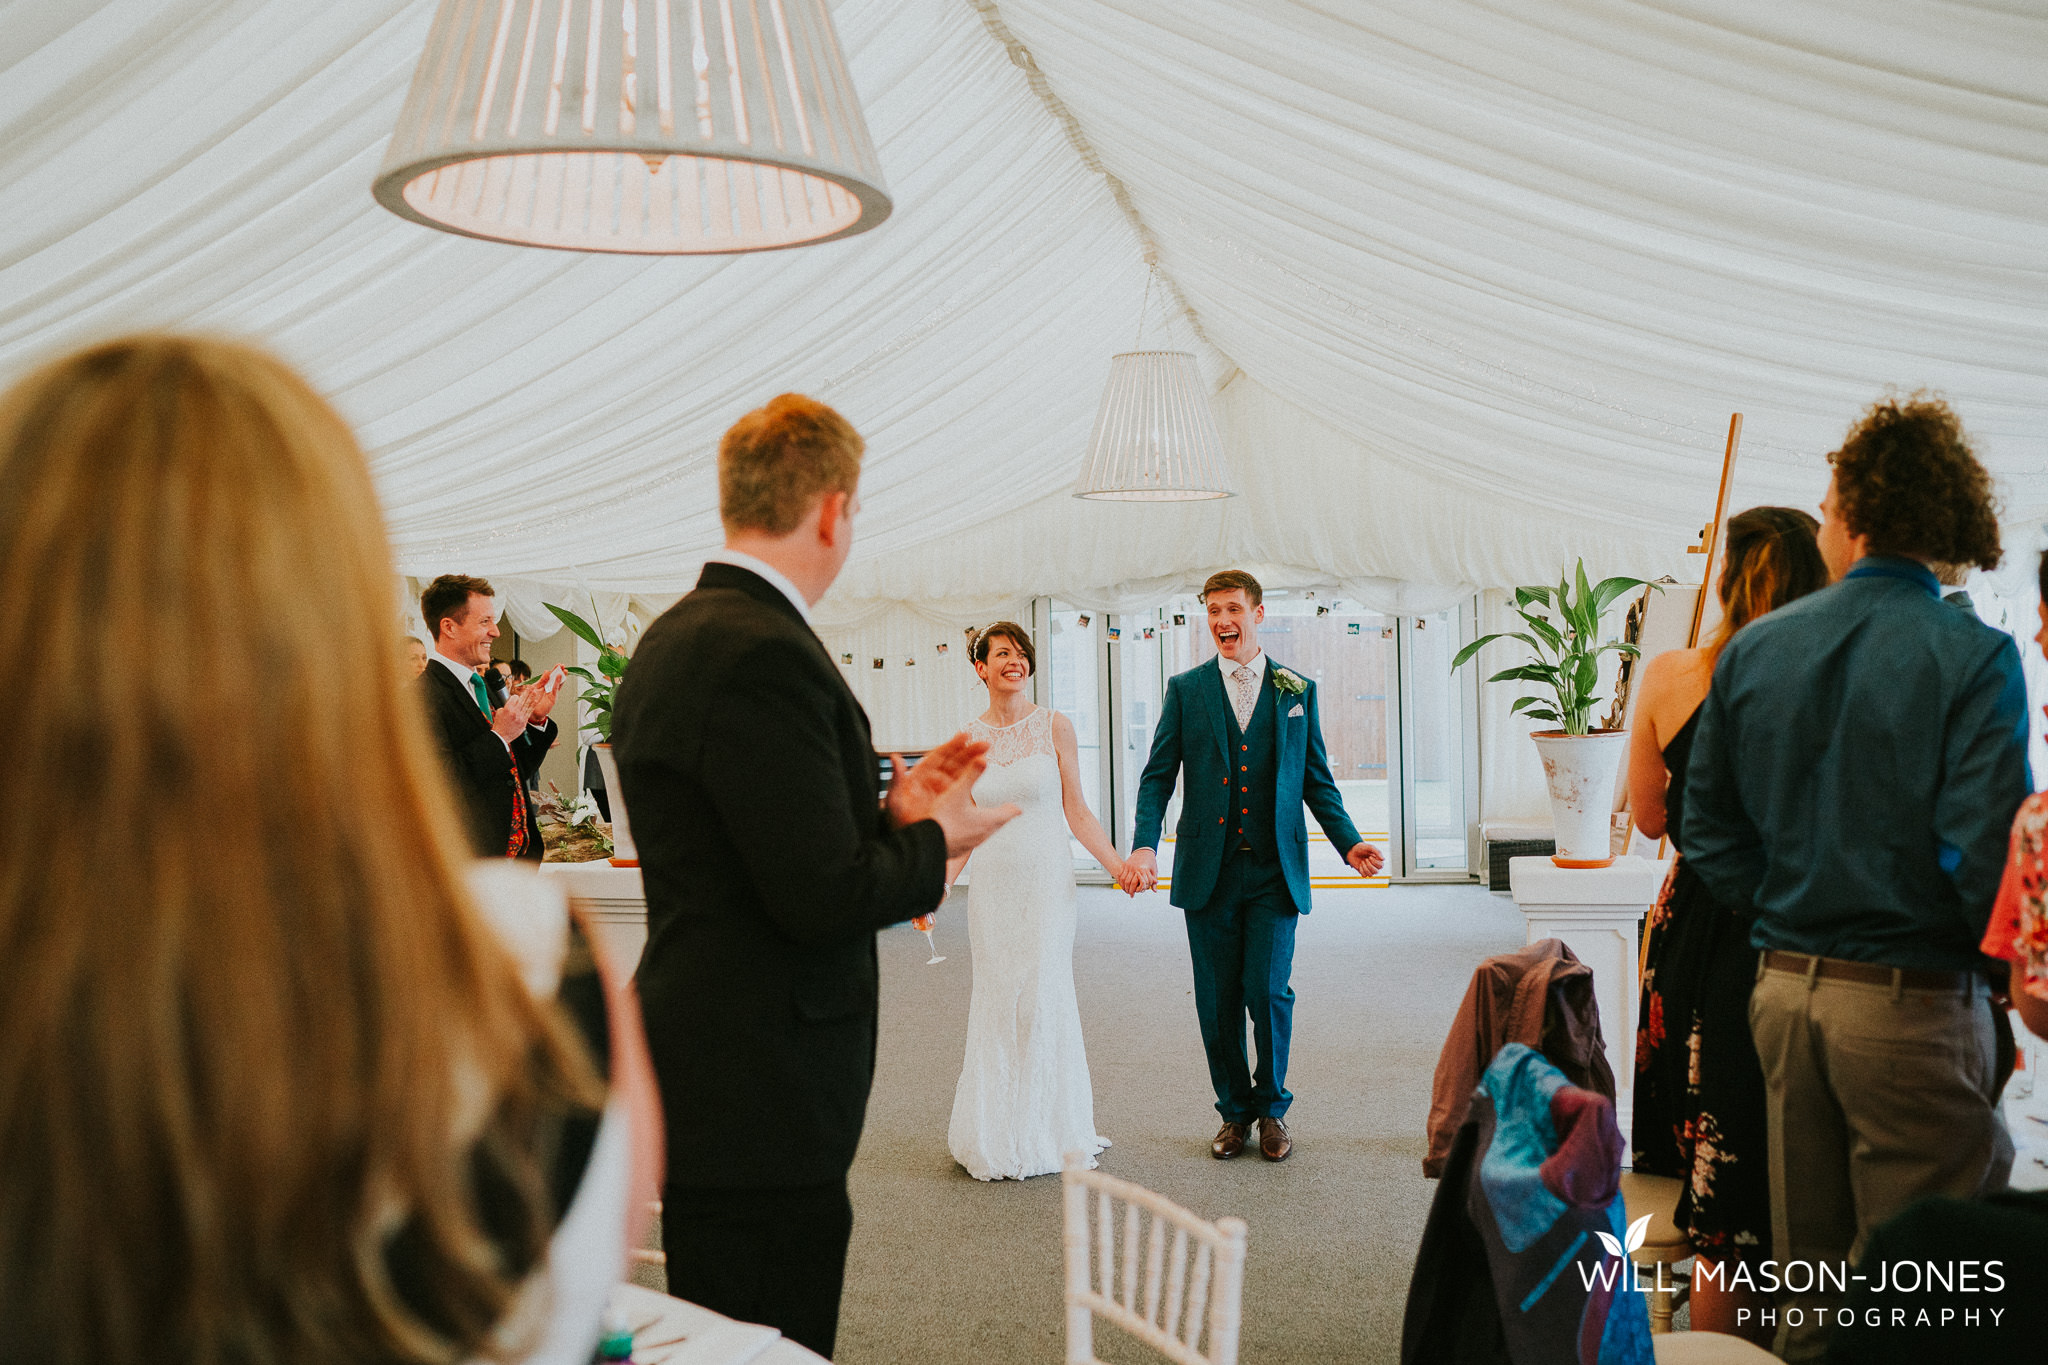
1244 696
515 840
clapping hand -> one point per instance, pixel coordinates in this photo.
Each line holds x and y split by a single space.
1365 860
542 693
508 722
940 787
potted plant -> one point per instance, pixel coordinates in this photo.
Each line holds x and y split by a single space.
1579 762
598 691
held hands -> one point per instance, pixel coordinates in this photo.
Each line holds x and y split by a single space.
1365 860
1140 872
940 787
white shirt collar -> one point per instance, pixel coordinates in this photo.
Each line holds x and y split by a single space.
776 578
1257 666
463 672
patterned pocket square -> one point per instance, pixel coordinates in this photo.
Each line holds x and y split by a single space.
1296 711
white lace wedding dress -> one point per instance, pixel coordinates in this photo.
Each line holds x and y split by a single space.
1024 1098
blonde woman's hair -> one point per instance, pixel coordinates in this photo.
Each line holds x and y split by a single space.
779 459
257 1049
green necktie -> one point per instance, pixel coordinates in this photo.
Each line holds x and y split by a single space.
483 699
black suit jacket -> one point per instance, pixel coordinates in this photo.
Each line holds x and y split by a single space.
475 759
752 781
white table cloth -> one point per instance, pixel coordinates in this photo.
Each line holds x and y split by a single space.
670 1331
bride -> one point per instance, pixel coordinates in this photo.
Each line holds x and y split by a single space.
1024 1097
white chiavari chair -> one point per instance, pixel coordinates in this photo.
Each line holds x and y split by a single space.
1192 1270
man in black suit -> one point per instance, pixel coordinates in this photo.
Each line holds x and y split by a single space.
770 860
492 744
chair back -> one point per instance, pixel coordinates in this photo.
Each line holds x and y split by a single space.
1192 1270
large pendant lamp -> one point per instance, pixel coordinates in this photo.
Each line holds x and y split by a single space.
671 127
1155 439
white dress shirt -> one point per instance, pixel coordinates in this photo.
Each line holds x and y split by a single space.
1229 666
740 559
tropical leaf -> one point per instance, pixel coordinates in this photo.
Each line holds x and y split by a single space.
1536 673
1482 642
582 629
1608 589
1542 713
1541 625
584 674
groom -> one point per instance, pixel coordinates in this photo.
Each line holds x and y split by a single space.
1246 733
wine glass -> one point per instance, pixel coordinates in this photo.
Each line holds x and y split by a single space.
925 923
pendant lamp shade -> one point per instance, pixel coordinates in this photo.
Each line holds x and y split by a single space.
670 127
1155 439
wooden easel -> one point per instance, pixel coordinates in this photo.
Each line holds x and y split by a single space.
1712 535
1713 538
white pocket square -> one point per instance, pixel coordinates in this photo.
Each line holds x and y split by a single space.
1296 711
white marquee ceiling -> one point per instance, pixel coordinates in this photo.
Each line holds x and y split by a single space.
1525 257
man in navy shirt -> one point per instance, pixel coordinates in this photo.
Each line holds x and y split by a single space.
1858 763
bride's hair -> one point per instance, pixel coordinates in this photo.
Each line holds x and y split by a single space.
1009 630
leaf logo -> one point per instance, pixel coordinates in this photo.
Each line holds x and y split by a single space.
1637 1232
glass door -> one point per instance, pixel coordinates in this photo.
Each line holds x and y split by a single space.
1439 729
1072 673
1349 654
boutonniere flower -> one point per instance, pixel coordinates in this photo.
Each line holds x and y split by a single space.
1291 683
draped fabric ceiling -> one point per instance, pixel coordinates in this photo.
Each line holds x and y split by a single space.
1478 284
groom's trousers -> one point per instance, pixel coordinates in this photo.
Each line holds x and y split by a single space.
1241 945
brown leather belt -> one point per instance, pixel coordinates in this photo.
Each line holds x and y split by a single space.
1835 969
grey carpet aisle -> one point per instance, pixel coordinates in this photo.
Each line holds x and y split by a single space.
945 1268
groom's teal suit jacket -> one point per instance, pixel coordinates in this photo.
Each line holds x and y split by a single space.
1194 735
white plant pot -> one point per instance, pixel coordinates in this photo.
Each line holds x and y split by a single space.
1581 770
624 854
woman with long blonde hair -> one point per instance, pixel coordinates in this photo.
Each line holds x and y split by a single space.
1699 1097
271 1089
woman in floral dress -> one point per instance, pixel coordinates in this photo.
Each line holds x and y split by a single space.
2018 932
1699 1094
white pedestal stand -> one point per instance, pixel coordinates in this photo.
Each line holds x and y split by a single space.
616 905
1596 911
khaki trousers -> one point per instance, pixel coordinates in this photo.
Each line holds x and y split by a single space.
1876 1096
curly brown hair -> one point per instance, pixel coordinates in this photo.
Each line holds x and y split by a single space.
1907 480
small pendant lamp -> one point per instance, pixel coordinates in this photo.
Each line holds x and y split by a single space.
1155 439
661 127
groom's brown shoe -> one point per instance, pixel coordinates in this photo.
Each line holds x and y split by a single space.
1229 1141
1274 1144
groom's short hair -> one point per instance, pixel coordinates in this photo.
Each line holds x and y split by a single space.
1234 579
778 460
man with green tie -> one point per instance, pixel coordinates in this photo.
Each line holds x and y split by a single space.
492 744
